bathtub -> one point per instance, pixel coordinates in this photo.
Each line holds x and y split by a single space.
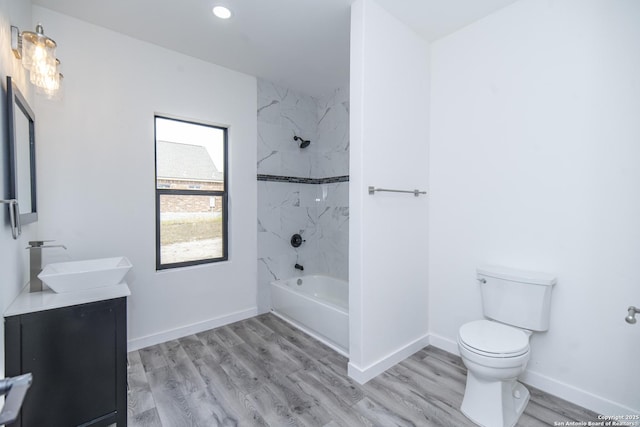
318 305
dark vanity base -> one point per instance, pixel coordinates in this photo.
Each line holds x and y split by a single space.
78 358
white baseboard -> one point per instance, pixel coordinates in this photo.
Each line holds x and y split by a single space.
575 395
194 328
445 344
549 385
362 375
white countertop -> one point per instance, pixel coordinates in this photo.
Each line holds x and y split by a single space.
31 302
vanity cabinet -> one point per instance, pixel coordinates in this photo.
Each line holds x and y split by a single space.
78 356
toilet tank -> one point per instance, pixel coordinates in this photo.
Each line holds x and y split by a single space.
516 297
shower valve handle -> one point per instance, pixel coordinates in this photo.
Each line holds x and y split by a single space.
297 240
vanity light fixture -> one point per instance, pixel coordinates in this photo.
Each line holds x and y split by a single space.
38 54
222 12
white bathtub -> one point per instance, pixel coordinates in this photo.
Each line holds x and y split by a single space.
318 305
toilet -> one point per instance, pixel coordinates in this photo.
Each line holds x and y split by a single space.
496 350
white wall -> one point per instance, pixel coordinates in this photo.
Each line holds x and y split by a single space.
96 171
14 259
534 157
388 241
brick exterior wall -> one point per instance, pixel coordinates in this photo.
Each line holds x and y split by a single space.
190 204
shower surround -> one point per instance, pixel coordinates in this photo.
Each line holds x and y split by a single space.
301 190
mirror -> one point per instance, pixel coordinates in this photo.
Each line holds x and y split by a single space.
22 153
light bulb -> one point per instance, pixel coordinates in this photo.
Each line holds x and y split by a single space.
222 12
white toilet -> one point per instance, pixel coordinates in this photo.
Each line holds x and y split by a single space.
496 351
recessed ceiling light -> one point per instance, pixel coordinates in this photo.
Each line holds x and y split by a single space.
222 12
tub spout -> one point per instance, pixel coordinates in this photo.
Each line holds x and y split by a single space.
298 267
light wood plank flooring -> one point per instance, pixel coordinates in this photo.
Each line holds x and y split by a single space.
264 372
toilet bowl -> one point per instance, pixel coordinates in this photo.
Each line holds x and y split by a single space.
495 355
496 350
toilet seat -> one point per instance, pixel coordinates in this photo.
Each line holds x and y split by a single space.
492 339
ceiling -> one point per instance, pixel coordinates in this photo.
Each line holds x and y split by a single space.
301 44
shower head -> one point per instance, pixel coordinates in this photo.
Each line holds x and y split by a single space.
304 143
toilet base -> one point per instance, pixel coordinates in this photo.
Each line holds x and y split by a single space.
494 403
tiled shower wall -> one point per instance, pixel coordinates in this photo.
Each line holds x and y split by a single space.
306 198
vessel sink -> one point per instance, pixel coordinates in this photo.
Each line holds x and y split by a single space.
80 275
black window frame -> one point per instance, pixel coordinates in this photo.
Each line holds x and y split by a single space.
224 194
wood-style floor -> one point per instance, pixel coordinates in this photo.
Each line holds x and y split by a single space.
264 372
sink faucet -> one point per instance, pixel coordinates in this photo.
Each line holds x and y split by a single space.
35 262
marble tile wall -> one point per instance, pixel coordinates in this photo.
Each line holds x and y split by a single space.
319 211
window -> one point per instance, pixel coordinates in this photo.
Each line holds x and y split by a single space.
191 193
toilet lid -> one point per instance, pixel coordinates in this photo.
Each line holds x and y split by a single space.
492 337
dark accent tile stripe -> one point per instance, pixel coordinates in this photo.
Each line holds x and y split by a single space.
300 180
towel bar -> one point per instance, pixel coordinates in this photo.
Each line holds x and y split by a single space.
372 190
